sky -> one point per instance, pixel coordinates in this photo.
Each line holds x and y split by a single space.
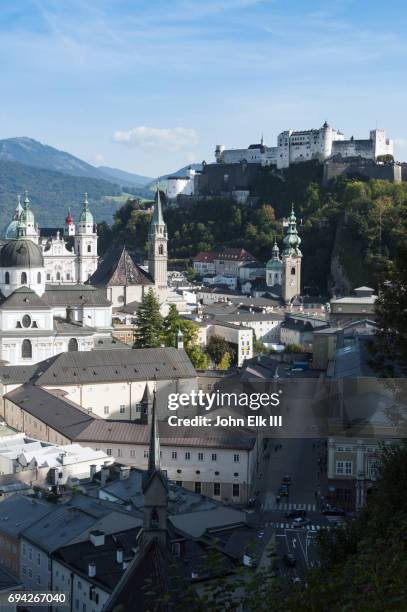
149 86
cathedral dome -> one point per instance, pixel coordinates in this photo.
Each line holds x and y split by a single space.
21 253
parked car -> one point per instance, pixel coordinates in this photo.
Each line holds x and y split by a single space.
284 491
286 480
332 511
296 514
289 560
300 521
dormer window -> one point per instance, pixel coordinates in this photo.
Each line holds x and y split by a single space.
7 278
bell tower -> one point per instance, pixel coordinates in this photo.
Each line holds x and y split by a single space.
291 285
85 241
157 247
155 490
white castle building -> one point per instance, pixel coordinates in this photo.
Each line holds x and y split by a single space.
63 264
305 145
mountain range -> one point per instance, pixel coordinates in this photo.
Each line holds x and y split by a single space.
57 180
33 153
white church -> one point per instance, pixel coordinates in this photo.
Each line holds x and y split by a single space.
53 299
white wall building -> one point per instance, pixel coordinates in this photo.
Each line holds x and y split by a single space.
305 145
176 185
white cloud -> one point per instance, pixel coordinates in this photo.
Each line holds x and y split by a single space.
148 138
99 158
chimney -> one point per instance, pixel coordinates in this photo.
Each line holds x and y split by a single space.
92 469
119 555
124 472
97 537
92 570
104 474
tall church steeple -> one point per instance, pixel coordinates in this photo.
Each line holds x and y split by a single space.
26 227
291 260
154 489
157 246
85 243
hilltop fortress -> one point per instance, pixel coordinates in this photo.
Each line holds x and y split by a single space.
305 145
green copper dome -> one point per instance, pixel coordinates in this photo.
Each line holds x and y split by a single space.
26 215
292 240
274 264
86 215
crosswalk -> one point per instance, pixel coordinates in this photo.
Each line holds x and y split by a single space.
285 525
292 506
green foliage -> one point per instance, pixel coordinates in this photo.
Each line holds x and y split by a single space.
357 224
389 348
173 323
150 326
217 347
225 362
294 348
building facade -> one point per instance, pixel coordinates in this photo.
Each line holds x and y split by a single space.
306 145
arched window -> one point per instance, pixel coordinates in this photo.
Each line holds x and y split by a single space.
7 278
293 271
39 277
161 250
26 349
24 278
73 345
154 518
58 275
89 248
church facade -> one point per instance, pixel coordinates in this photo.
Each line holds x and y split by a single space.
69 256
45 307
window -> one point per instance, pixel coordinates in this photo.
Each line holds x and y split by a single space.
7 278
106 409
174 454
30 572
138 407
198 487
26 349
200 456
38 579
39 558
26 321
48 276
161 250
214 456
216 488
24 570
122 408
119 452
236 458
293 271
187 456
39 278
109 452
24 278
68 276
73 345
178 483
348 467
58 275
89 248
235 490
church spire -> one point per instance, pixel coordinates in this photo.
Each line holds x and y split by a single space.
154 460
157 218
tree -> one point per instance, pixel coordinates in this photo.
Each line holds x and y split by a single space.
389 347
174 323
217 347
150 329
225 362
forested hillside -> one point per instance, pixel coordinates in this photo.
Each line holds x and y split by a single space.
51 193
350 229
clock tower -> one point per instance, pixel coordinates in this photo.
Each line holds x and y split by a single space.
291 285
